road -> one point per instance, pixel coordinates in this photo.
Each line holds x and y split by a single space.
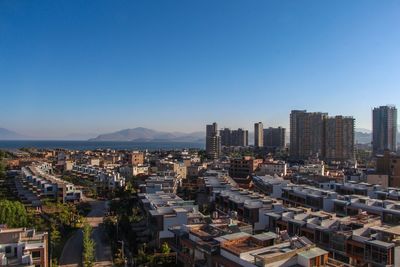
71 255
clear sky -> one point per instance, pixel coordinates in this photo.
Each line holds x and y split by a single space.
99 66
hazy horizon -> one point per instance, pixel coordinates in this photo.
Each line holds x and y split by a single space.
87 136
78 67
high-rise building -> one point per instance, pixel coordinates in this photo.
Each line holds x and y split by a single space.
315 134
384 129
339 138
213 141
306 134
226 134
237 137
295 132
258 134
274 138
240 137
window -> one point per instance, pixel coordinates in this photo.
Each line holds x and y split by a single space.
35 254
8 249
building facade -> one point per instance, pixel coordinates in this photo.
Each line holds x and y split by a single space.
213 141
23 247
258 134
306 133
315 135
339 138
237 137
384 128
274 138
388 165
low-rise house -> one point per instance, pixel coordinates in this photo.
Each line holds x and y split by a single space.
23 247
105 178
308 196
196 244
165 210
257 251
166 184
36 182
272 167
269 185
245 205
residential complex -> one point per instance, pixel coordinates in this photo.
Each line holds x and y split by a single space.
314 134
36 183
230 205
104 178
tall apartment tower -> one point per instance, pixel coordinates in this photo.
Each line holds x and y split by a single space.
213 141
226 134
240 137
274 138
339 138
306 134
384 129
258 134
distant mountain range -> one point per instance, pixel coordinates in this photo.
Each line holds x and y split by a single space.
364 136
141 134
6 134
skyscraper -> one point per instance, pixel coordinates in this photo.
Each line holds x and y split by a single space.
306 134
274 138
213 141
384 129
258 134
339 138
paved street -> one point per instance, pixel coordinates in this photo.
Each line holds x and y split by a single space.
72 251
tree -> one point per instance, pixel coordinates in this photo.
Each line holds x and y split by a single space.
13 214
129 188
165 249
88 246
142 257
2 168
55 235
54 263
135 217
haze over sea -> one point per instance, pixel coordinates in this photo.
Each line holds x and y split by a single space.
91 145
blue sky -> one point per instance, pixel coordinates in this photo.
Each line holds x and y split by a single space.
99 66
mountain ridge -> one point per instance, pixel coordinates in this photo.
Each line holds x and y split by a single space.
6 134
141 134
